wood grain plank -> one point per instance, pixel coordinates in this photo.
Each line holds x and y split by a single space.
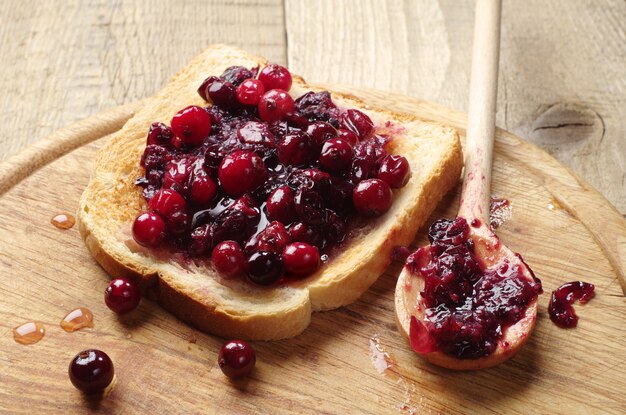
561 83
65 60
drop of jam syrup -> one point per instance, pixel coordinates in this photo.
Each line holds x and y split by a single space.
63 221
561 311
77 319
29 333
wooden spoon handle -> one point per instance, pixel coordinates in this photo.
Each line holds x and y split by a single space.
476 194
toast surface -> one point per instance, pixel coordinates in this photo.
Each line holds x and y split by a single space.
235 308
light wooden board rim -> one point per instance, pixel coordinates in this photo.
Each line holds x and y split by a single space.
579 198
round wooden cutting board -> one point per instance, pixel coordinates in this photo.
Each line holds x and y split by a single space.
351 360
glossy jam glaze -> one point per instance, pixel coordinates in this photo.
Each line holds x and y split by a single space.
560 308
29 333
264 176
467 307
77 319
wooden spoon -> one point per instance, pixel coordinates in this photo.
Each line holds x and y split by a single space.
475 201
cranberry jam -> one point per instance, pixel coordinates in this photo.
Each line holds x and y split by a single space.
467 307
262 184
560 308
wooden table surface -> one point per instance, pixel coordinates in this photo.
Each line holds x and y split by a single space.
562 66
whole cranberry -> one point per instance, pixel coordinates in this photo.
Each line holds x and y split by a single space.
394 170
358 122
228 259
299 232
250 92
241 172
159 134
280 205
275 76
253 132
336 155
192 125
300 258
321 131
223 94
167 201
149 229
91 371
122 295
178 223
275 105
296 149
349 136
236 358
203 190
204 86
274 238
372 197
264 268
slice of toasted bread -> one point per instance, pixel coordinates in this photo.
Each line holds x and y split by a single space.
236 308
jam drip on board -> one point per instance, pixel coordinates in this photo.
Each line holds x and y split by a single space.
560 308
467 307
29 333
77 319
265 186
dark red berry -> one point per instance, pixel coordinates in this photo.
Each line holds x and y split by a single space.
250 92
203 190
178 223
280 205
176 175
274 105
274 238
236 358
300 258
122 295
358 122
204 86
321 131
264 268
372 197
349 136
394 170
336 155
223 94
253 132
241 172
237 74
275 76
159 134
228 259
296 149
299 232
192 125
91 371
149 229
167 201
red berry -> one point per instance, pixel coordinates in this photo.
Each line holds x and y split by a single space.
280 205
274 105
299 232
349 136
241 172
372 197
321 131
159 134
275 76
167 201
394 170
176 175
236 358
203 190
296 149
264 268
300 258
223 94
253 132
192 125
336 155
91 371
228 259
122 295
204 86
250 92
358 122
149 229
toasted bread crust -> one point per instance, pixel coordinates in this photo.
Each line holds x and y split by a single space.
195 293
